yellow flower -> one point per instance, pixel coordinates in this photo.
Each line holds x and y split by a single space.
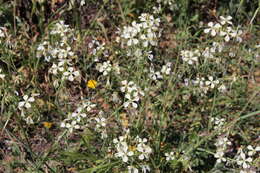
92 84
47 125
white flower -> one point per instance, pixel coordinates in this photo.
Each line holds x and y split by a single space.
104 68
186 82
166 69
154 75
104 134
144 149
211 82
227 34
213 28
128 86
88 105
122 149
243 161
144 32
74 120
132 93
71 74
150 37
29 120
75 116
221 143
132 100
190 57
225 20
220 157
60 28
56 68
169 156
252 151
121 139
130 34
157 10
26 103
199 81
237 34
218 123
71 126
78 114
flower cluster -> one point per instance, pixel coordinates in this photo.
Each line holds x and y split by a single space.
218 122
155 75
224 29
205 85
122 148
245 159
75 119
166 69
106 67
170 156
60 53
70 74
61 49
97 49
221 144
191 57
26 103
132 93
170 4
62 30
213 29
101 123
127 150
210 52
143 148
144 33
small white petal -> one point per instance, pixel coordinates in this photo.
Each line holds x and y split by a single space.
31 99
125 158
25 97
27 105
